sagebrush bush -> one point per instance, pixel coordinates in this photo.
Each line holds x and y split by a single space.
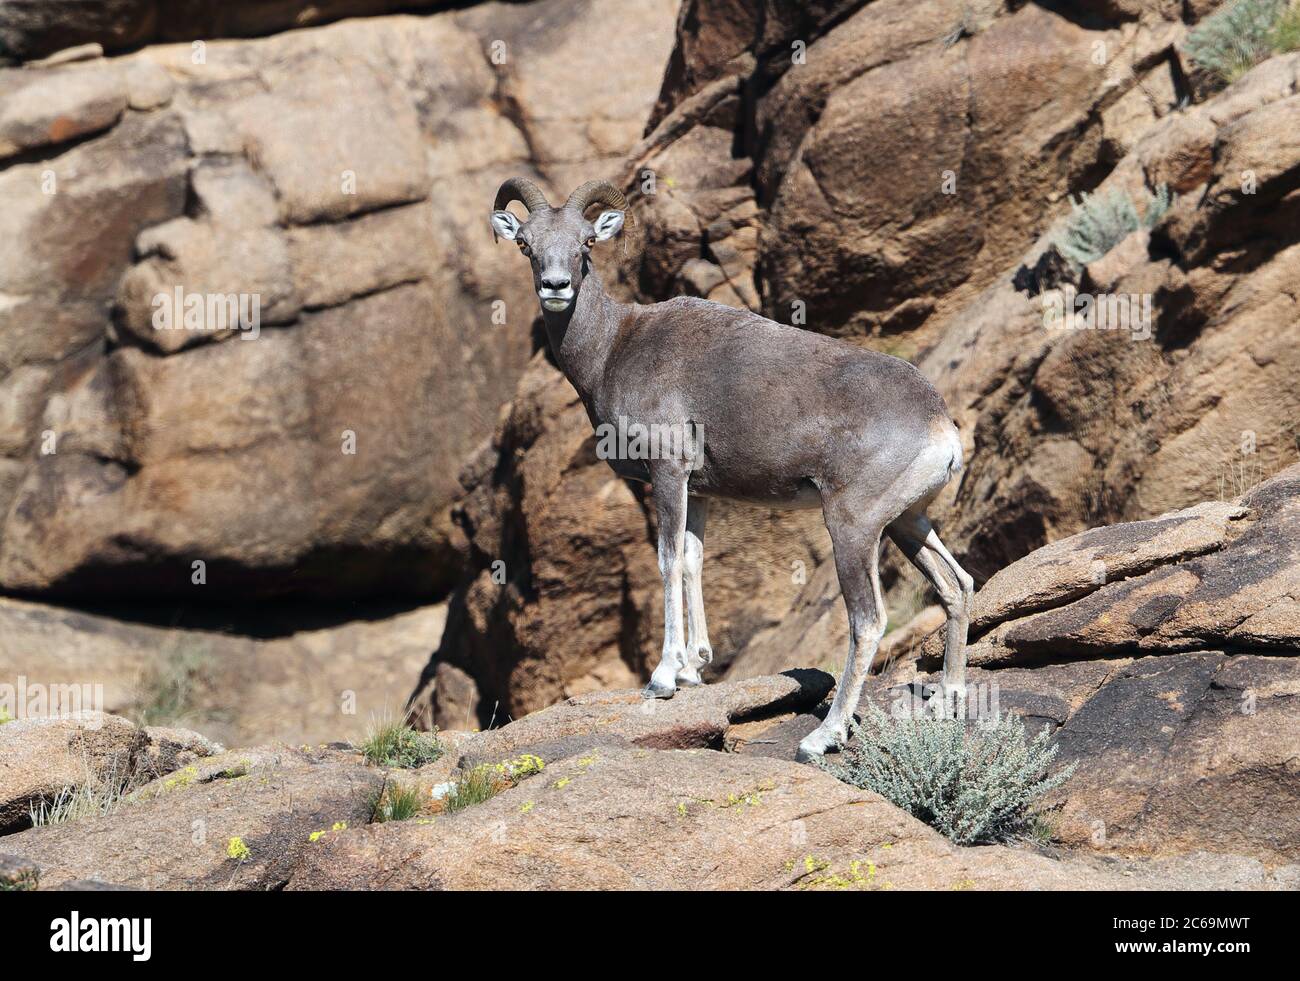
974 784
1099 222
1234 40
396 744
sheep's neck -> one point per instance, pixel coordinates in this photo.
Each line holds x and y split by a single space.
581 336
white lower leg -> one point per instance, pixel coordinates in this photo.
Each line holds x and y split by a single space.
673 658
959 612
670 500
699 651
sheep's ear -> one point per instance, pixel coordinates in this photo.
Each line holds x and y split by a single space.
608 225
505 224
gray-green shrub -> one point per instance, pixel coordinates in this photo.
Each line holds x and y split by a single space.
1234 40
974 784
1099 222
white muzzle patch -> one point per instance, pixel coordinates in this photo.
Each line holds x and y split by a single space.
556 300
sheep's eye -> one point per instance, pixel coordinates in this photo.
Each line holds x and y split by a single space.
523 247
591 241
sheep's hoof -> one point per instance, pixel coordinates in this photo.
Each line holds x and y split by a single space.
690 683
657 691
817 743
949 701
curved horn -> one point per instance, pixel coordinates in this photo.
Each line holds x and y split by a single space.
523 190
596 192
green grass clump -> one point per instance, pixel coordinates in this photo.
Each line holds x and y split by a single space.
398 802
1099 222
974 785
1236 39
479 784
396 744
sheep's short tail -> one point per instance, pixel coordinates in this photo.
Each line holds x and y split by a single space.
954 440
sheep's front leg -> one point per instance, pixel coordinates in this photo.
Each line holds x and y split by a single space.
670 503
699 651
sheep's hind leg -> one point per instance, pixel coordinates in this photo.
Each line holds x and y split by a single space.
914 534
699 651
670 504
856 540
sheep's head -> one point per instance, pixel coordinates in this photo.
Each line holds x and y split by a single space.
557 241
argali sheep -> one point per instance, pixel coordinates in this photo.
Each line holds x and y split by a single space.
788 418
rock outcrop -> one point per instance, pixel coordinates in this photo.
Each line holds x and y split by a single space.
616 792
338 177
1215 575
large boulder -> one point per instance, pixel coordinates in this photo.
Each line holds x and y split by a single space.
1214 575
314 451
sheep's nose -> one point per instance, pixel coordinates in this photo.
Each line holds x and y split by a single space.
556 282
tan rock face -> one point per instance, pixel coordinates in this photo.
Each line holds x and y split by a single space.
328 185
48 108
1072 428
1212 575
